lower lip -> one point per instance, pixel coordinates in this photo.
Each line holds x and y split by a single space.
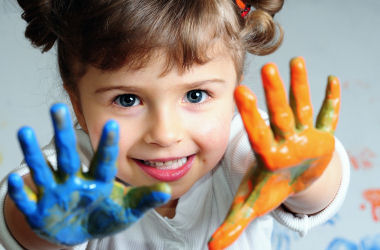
167 174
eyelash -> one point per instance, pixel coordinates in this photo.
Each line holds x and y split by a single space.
116 101
208 95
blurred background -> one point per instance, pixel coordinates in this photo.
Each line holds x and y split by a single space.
339 37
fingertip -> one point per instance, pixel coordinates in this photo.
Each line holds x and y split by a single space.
333 80
333 86
161 192
60 115
160 197
163 187
297 63
15 182
269 69
25 133
110 134
270 76
58 107
112 125
243 94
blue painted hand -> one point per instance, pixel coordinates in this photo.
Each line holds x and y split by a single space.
72 206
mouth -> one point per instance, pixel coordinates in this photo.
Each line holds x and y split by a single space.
166 169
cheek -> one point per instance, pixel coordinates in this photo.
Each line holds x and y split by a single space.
95 127
95 133
212 138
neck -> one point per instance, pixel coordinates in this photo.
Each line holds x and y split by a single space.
168 210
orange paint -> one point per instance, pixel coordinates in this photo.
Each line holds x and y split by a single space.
373 197
354 161
291 153
363 160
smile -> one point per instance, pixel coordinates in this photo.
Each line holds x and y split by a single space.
167 170
174 164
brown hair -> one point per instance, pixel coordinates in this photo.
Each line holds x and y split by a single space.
109 34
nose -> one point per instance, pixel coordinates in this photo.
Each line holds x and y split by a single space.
165 128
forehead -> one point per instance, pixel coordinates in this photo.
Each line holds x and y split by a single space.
217 65
155 73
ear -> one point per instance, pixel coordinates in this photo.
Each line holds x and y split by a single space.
75 102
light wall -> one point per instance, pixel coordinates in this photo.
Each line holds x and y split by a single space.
338 37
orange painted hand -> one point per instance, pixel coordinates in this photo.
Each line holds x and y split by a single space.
291 154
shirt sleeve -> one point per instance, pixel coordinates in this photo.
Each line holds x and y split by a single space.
301 223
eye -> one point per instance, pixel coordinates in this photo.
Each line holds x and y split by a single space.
196 96
127 100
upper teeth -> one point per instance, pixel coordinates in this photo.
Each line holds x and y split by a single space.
167 164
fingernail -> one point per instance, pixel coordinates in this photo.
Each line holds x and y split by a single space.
60 114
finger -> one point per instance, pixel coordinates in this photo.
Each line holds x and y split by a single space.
238 217
260 135
243 191
41 172
103 167
19 195
280 113
300 94
65 141
140 199
269 191
328 116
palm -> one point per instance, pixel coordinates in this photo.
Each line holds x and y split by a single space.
71 206
290 154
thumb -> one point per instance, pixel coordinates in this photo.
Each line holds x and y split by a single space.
147 197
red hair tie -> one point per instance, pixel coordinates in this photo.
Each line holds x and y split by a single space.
244 8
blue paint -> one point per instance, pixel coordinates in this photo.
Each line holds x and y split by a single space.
103 163
333 220
33 157
74 207
371 242
65 141
282 237
281 242
341 244
151 199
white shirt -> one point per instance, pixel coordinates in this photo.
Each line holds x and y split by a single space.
201 210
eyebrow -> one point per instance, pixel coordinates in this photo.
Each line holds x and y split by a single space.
133 88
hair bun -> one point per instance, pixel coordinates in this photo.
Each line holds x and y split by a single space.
261 34
269 6
37 14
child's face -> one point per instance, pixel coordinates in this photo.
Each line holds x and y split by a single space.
173 127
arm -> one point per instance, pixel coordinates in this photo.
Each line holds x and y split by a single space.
292 154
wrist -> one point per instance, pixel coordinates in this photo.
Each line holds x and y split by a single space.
321 193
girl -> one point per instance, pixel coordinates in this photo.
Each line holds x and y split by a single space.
151 84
